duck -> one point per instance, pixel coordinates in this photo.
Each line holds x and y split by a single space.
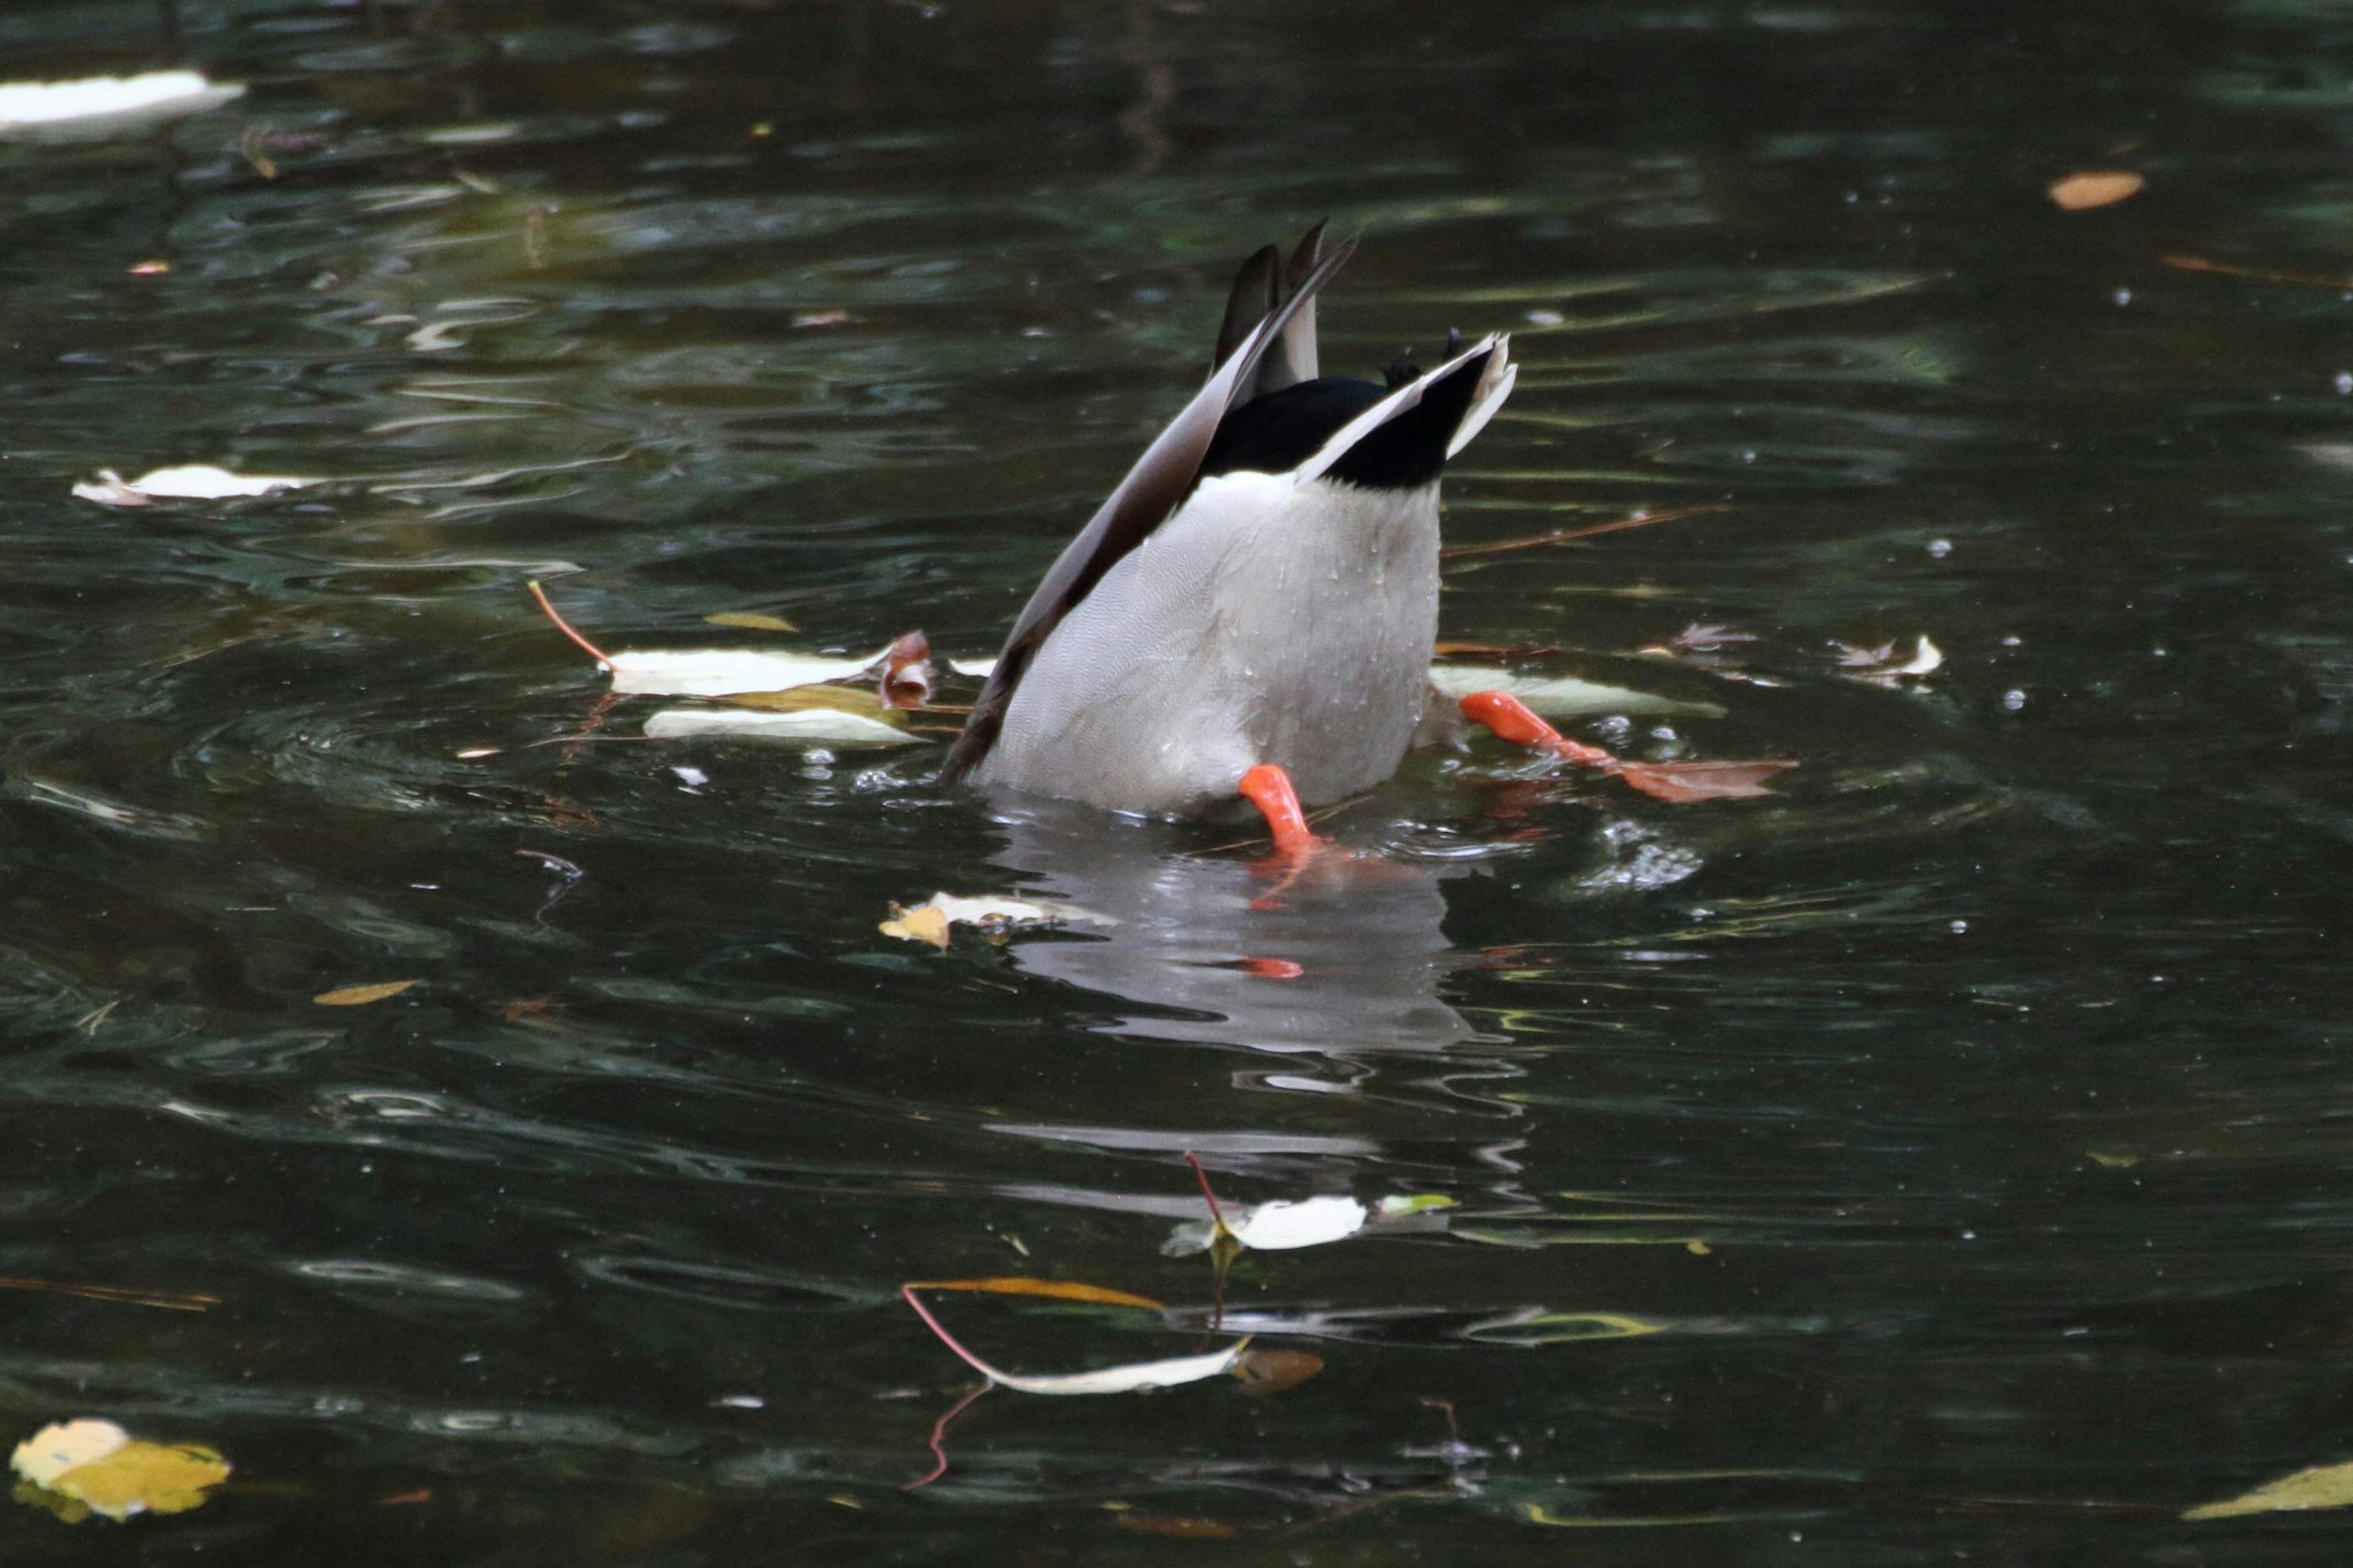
1251 615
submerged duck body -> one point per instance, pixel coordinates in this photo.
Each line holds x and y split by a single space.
1258 593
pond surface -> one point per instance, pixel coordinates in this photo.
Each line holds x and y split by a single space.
1945 1158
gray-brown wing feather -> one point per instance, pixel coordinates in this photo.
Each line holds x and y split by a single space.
1153 489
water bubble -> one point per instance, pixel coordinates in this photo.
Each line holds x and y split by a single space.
2123 296
2345 383
1939 548
2013 699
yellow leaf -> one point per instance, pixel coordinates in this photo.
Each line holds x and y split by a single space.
863 700
70 1466
1024 1285
2323 1485
2094 188
360 995
924 923
145 1478
751 620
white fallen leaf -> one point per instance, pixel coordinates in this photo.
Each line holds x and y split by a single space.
929 921
153 95
1133 1377
1925 658
1561 696
1275 1226
979 669
810 726
1310 1222
728 672
62 1446
188 481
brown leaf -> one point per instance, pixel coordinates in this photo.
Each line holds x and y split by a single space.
751 620
1272 1371
1180 1527
1683 782
2091 188
360 995
1025 1285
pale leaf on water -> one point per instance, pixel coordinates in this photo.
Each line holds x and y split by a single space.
725 672
929 921
152 95
1562 696
1129 1377
187 481
1278 1225
806 726
2323 1485
361 995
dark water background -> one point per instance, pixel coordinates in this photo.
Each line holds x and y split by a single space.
1949 1159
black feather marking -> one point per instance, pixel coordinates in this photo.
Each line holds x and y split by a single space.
1409 451
1275 434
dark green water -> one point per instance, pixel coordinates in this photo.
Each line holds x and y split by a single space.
1950 1159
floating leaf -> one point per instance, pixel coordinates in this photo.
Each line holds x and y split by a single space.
1879 666
922 923
751 620
1176 1526
728 672
1272 1371
360 995
1401 1204
1276 1227
1026 1285
928 921
1681 783
152 95
723 672
826 726
1563 696
980 669
2095 188
101 1467
188 481
2323 1485
1131 1377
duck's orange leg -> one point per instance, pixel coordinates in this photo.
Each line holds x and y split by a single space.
1268 788
1510 718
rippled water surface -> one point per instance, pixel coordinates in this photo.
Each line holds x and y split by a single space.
1943 1159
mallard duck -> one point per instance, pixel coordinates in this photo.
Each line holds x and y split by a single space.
1252 611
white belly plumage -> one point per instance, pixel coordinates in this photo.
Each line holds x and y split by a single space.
1267 621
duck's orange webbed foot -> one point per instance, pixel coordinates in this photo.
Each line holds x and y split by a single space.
1680 783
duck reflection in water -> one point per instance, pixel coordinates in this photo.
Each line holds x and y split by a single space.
1341 954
